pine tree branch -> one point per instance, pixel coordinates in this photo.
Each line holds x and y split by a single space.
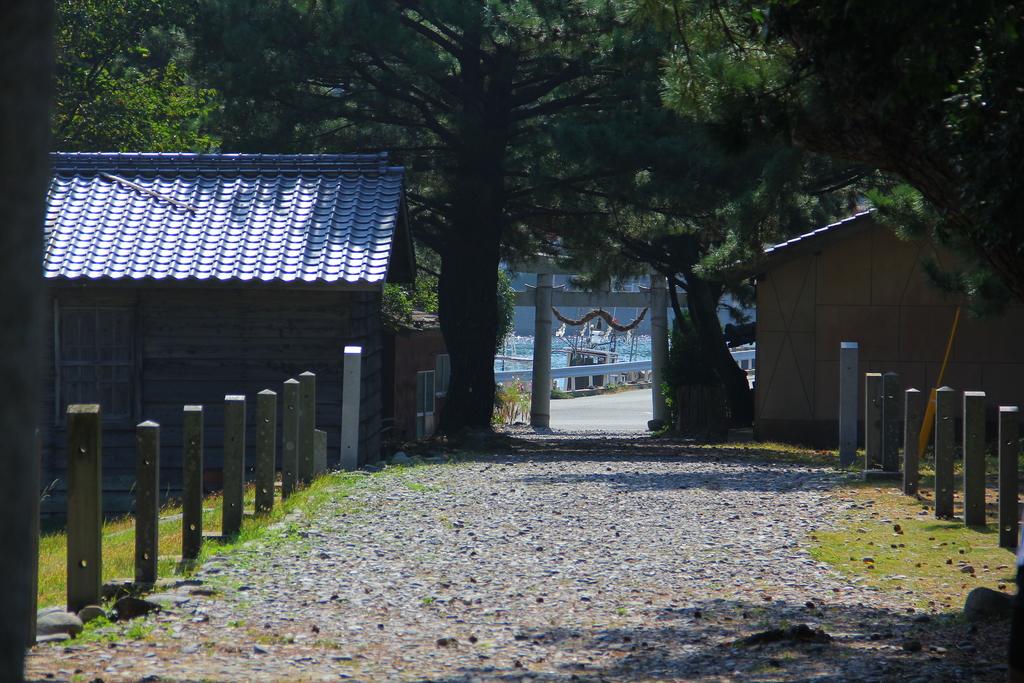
430 34
429 120
555 183
525 94
581 100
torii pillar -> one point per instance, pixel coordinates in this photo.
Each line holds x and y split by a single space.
659 344
540 397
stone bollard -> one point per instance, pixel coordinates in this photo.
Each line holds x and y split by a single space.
891 417
913 413
147 501
872 420
307 423
1009 451
85 507
945 440
234 465
848 352
266 445
290 438
974 458
319 452
351 407
192 483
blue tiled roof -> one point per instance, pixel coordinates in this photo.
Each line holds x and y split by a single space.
270 217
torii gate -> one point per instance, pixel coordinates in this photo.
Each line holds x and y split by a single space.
543 297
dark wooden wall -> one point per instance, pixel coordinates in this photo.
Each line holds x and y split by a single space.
194 344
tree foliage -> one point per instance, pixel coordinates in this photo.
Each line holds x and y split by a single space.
122 78
698 198
929 93
476 99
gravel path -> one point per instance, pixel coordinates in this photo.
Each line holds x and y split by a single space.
616 560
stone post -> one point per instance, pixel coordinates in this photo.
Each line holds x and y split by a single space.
351 407
234 465
147 502
974 458
290 438
192 483
872 420
85 507
540 396
1009 451
891 418
659 344
848 353
319 452
945 440
307 423
266 449
913 413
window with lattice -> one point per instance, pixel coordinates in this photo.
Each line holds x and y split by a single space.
96 359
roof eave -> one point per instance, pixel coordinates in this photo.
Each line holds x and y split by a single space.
808 243
401 268
208 283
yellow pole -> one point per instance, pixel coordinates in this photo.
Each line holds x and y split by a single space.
929 412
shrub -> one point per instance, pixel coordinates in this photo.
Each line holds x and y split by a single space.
511 403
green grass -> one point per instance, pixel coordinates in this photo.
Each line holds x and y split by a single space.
119 537
418 487
924 556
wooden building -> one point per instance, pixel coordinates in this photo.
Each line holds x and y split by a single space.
416 376
856 281
176 279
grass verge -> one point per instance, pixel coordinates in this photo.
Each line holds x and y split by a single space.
119 536
893 542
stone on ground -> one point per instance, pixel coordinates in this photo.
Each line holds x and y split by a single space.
984 604
53 621
90 612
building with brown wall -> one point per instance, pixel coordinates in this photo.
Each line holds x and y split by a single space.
856 281
416 376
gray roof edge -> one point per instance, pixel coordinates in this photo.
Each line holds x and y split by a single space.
188 162
783 251
361 284
831 227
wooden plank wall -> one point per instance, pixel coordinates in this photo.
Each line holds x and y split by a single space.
195 345
870 288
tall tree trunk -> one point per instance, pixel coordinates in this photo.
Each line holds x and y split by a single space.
702 304
26 54
468 307
468 293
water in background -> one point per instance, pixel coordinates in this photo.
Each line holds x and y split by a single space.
638 348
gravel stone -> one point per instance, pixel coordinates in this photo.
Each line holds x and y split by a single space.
570 557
